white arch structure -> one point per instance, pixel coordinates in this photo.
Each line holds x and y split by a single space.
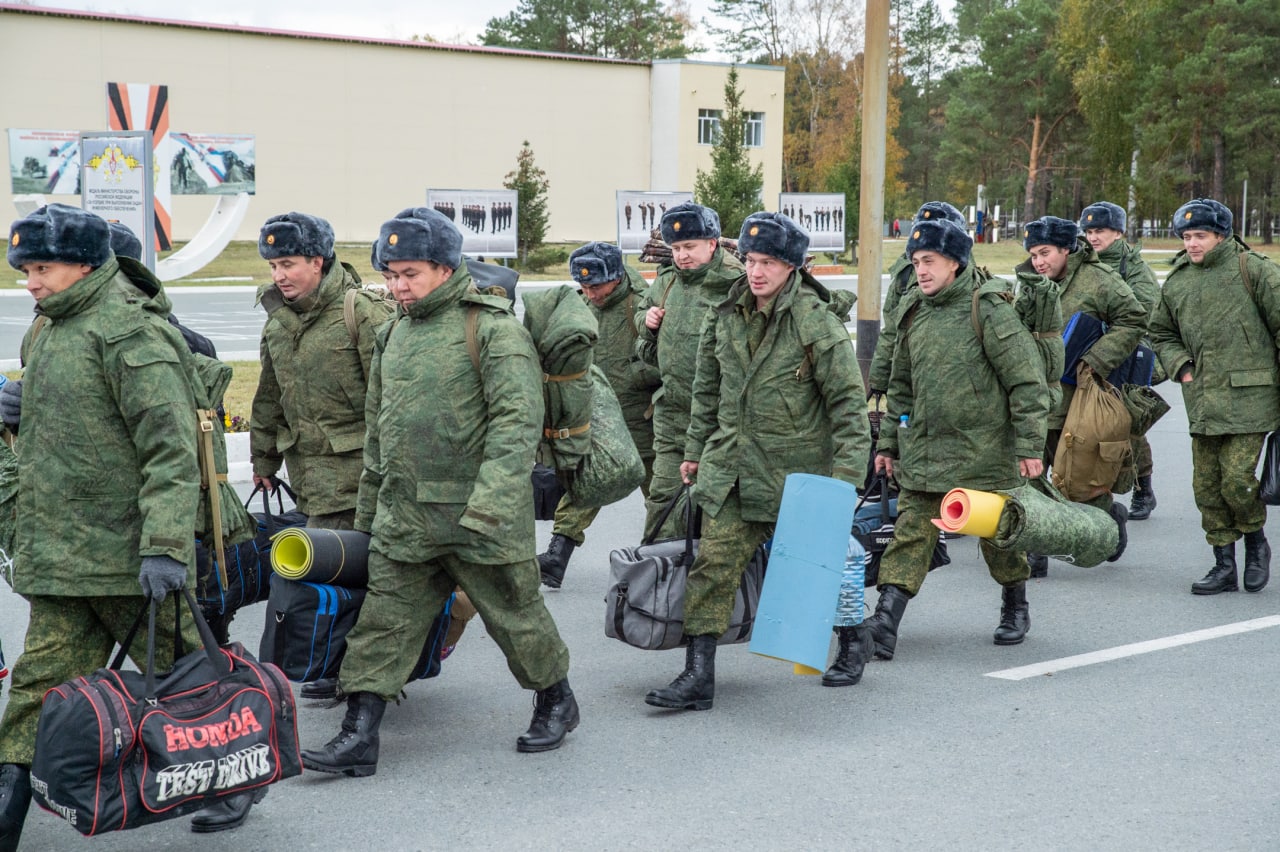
207 244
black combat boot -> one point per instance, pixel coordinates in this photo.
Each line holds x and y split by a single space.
1222 576
1039 564
555 713
1257 561
1121 516
695 687
555 561
324 689
1144 500
1015 616
856 647
229 813
883 624
15 798
354 751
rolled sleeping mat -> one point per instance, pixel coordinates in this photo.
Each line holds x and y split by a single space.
331 557
1039 519
969 512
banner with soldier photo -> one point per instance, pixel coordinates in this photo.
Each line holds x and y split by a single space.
486 218
212 164
819 213
44 162
639 214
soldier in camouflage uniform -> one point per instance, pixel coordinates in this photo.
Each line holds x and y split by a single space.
668 320
108 479
1215 332
970 412
1088 286
317 343
777 391
612 290
455 415
902 277
1103 225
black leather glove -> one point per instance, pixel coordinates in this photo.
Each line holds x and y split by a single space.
11 404
161 575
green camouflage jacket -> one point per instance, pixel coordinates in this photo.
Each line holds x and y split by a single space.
686 295
308 411
974 408
633 381
1137 273
792 403
902 277
1091 287
449 447
1207 320
107 447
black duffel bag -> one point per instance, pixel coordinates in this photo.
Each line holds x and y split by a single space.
307 625
121 749
547 491
248 563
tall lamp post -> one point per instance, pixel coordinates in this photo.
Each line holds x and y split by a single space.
875 110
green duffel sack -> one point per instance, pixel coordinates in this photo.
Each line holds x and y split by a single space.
1145 407
613 468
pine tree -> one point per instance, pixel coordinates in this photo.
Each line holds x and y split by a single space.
732 188
532 215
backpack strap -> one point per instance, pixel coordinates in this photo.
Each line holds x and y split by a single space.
349 315
1244 275
209 479
473 345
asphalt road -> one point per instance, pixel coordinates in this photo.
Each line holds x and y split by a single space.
1171 749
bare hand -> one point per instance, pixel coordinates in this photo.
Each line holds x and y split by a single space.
653 317
688 471
262 482
1185 377
1031 468
884 464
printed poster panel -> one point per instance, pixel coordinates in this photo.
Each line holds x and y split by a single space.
145 106
640 212
819 213
117 179
45 162
211 164
486 218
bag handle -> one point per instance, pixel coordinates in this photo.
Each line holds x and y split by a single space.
879 482
278 485
664 514
219 660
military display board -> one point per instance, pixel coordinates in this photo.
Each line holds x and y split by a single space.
45 162
640 212
116 184
486 218
819 213
211 164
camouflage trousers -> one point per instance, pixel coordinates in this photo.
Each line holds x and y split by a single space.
68 637
906 560
727 545
572 521
1142 459
345 520
669 427
404 598
1225 485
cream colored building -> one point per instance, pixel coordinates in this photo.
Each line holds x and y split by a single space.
356 129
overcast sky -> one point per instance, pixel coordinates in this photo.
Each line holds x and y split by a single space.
454 21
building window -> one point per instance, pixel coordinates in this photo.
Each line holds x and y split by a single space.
708 126
753 133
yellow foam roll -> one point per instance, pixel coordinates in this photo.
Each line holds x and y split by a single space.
970 512
292 554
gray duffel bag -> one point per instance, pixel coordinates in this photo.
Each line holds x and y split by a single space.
644 606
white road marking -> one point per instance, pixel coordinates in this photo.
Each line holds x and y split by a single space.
1121 651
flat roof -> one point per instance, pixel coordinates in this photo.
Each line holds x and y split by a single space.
231 28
